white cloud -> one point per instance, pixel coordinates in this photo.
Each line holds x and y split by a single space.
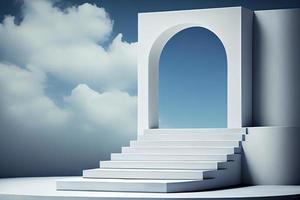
90 63
66 44
114 110
23 101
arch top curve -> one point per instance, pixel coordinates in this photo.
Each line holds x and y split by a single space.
155 30
165 36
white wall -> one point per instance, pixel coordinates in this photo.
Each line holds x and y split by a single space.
276 68
247 30
271 156
154 31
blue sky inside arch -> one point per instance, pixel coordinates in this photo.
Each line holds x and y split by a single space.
193 81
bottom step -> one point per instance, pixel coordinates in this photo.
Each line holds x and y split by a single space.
127 185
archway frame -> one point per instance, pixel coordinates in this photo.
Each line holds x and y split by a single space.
233 26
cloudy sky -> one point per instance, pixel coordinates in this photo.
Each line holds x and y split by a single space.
61 71
68 79
55 51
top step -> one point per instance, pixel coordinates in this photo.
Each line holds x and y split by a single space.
192 136
195 131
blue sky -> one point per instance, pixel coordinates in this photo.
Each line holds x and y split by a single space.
68 79
124 12
193 81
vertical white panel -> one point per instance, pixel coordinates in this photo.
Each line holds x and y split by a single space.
155 29
276 68
247 21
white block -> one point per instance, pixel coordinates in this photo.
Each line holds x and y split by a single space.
143 156
191 143
182 150
192 136
127 185
187 131
201 165
144 174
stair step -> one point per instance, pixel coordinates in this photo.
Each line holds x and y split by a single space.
191 143
191 136
147 174
168 160
127 185
187 131
222 178
201 165
182 150
149 157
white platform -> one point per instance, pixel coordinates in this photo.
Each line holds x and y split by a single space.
191 136
144 174
128 185
182 150
44 189
163 157
194 130
206 165
190 143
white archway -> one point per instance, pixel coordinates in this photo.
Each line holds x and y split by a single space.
233 26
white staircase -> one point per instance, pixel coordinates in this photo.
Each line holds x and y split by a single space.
168 160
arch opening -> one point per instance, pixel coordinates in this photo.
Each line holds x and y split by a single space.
192 81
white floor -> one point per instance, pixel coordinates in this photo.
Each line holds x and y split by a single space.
44 188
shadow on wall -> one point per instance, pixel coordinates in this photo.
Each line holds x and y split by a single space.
271 156
276 61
